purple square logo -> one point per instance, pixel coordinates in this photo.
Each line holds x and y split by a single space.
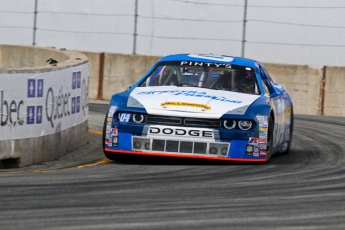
40 88
30 115
31 88
39 110
74 80
78 79
78 105
73 105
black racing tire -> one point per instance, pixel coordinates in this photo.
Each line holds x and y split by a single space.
121 158
104 131
290 134
270 138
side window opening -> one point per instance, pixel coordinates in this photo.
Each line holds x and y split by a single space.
265 80
269 76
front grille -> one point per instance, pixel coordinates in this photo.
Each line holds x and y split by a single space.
191 122
202 122
159 120
177 146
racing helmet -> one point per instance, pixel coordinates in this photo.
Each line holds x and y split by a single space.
245 81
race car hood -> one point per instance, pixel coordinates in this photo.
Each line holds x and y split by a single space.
190 101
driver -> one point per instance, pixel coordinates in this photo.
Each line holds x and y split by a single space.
245 82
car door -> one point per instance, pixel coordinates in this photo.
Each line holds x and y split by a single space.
280 103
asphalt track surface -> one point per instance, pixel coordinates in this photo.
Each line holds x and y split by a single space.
302 190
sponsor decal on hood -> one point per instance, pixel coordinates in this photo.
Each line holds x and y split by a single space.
189 101
173 103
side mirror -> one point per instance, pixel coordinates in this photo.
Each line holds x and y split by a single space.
275 92
129 87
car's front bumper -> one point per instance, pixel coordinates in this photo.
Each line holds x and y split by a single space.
233 150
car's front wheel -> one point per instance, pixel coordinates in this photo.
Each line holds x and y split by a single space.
113 156
104 132
270 139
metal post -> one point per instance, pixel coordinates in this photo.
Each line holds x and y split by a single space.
35 24
135 27
244 27
100 76
322 93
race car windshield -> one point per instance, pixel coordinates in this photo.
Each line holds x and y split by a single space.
211 76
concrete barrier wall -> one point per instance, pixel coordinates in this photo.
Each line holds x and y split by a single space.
94 79
122 71
111 73
303 84
334 91
28 56
31 151
313 90
43 108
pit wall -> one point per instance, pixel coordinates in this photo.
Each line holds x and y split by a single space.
43 108
315 90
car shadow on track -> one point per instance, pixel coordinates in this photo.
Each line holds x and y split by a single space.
155 160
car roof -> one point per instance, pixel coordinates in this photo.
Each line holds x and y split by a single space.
210 58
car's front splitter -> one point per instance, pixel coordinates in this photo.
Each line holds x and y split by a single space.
181 155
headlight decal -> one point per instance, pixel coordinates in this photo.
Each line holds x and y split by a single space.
138 118
237 124
245 124
229 124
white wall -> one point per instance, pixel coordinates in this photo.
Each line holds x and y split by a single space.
313 31
16 21
207 28
279 31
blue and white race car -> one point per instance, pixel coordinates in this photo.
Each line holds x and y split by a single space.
201 106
